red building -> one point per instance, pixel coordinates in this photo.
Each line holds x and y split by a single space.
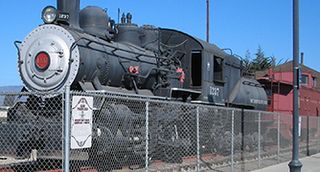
278 84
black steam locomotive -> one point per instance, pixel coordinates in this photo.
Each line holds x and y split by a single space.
87 50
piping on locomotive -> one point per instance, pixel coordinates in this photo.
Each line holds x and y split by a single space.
88 51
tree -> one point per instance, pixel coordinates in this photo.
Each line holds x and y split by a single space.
246 63
259 63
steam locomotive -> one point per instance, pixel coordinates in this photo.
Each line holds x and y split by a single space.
87 50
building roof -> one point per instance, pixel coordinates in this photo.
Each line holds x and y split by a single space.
288 67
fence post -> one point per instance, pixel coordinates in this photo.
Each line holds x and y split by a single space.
318 132
259 139
198 140
278 137
308 137
232 141
66 155
147 138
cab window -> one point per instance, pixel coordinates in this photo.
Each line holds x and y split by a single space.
218 69
196 68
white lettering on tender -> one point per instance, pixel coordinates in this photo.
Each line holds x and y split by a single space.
214 91
258 101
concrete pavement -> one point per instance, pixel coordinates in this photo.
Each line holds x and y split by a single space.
310 164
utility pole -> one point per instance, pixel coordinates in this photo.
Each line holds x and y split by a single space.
118 15
208 20
295 165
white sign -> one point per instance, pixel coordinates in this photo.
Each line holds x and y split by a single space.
81 122
299 126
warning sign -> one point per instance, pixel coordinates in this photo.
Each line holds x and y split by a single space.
81 122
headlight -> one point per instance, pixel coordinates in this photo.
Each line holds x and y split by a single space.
49 14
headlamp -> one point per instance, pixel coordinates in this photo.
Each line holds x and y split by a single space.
49 14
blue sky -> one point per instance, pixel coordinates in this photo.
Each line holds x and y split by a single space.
237 24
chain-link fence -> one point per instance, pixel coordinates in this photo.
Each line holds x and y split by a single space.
118 132
30 132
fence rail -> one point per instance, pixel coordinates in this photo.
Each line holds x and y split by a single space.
114 132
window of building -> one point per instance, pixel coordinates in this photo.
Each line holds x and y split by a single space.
304 79
314 81
218 69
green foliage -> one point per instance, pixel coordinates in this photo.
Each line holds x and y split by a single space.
259 63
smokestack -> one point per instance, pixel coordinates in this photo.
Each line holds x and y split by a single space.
302 58
73 8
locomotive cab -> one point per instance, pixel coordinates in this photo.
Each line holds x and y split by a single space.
204 66
214 73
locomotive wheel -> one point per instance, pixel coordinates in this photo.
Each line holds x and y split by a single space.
225 142
121 157
99 153
255 141
172 154
20 113
171 144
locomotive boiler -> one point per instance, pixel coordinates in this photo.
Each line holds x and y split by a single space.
86 50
